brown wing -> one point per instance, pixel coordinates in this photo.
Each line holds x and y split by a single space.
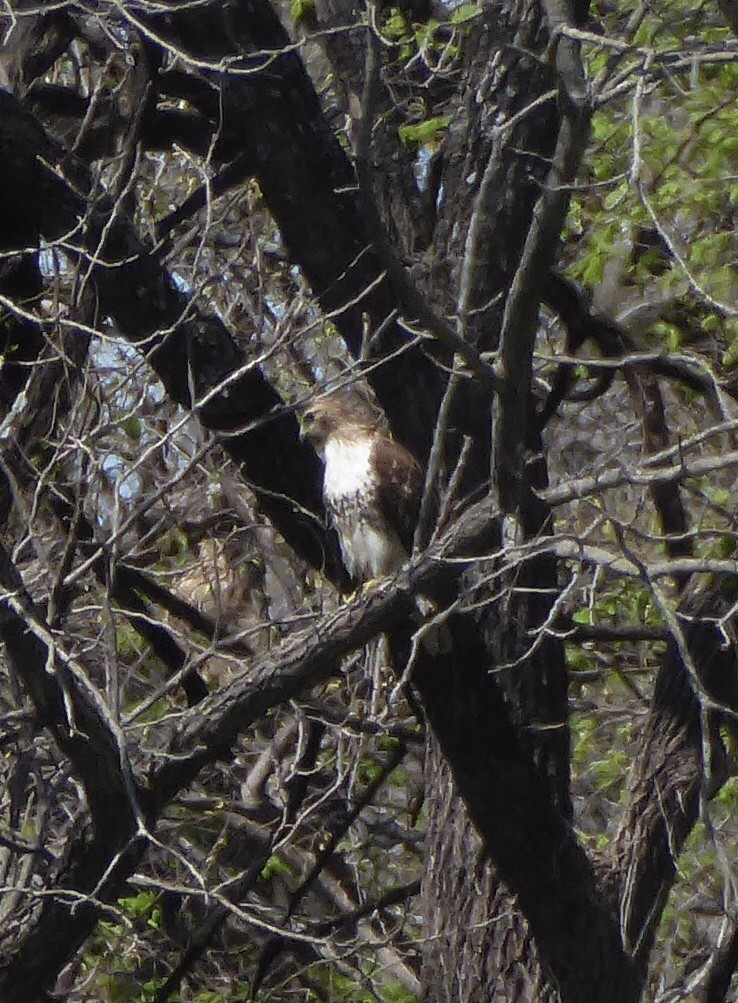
400 481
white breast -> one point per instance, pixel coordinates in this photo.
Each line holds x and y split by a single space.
370 548
347 469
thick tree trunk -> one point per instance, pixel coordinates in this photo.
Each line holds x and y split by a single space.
480 947
480 950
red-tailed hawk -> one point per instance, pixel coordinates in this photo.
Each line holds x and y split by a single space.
372 488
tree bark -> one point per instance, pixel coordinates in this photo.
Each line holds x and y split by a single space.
474 267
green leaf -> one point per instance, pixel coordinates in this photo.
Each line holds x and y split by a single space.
730 355
299 9
275 866
423 132
142 906
583 616
396 26
132 427
466 12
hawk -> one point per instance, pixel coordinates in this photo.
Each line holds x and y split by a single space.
372 487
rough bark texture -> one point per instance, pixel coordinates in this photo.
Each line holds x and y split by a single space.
484 255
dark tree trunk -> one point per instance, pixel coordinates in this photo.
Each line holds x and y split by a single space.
480 944
482 949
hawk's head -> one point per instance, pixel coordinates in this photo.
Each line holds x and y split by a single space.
332 418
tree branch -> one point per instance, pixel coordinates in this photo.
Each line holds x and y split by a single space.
189 349
528 839
520 321
310 188
68 704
